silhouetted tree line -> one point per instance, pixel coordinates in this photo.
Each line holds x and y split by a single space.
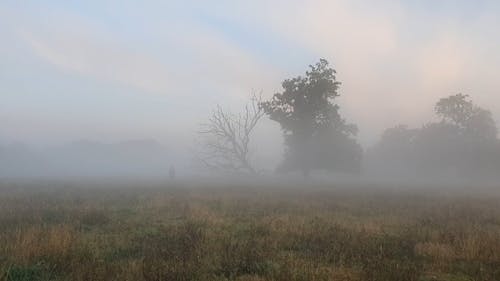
463 143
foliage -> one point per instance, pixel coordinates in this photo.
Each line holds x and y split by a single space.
470 119
306 111
463 144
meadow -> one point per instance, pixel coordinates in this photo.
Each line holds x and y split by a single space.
61 231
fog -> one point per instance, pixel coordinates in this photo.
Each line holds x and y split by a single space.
336 91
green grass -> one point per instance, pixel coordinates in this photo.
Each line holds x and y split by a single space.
52 232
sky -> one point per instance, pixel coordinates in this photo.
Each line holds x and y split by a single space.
117 70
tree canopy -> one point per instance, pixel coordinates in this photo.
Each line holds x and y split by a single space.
311 122
469 119
463 143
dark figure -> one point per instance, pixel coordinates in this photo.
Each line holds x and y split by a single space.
171 173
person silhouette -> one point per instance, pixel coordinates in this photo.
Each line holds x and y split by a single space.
171 172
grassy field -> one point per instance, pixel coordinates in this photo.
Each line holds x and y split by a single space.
77 232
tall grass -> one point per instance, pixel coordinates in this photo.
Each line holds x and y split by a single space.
236 233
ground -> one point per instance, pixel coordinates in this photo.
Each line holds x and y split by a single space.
61 231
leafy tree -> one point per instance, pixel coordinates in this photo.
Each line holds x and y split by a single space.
394 153
399 137
462 144
309 116
456 109
471 120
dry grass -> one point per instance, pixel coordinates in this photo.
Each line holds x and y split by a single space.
51 232
35 242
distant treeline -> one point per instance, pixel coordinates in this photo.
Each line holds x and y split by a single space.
463 144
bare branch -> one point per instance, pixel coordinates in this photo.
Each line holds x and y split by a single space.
226 137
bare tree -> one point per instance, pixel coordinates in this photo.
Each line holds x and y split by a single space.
225 138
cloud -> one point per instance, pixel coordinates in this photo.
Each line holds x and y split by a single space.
89 56
178 77
196 59
214 61
394 60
